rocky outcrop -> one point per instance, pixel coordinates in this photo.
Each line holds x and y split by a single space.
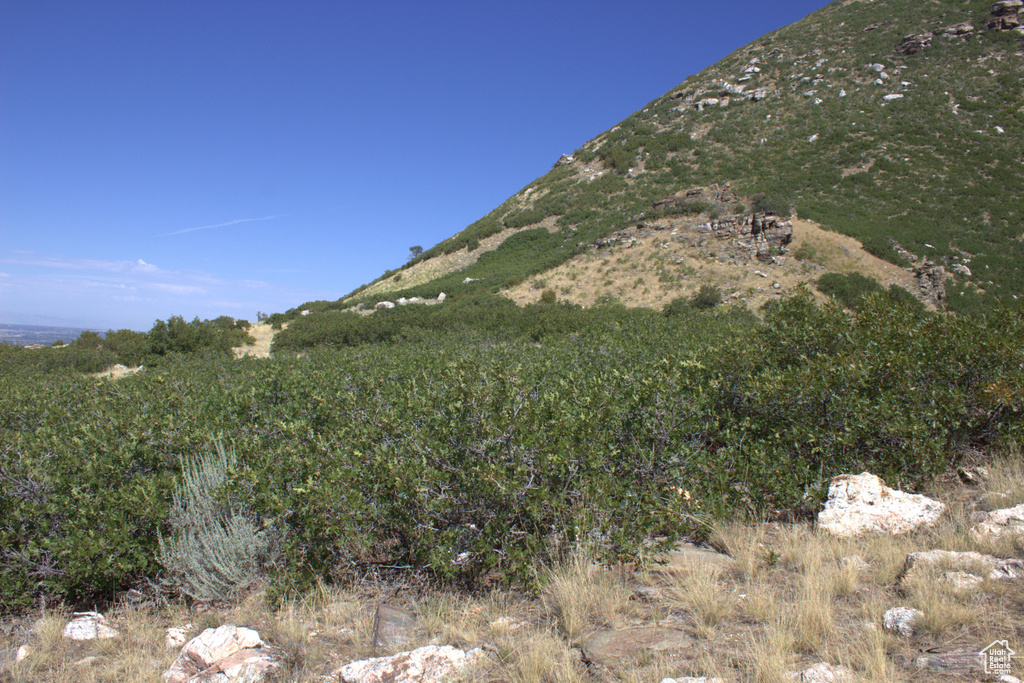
718 196
1005 15
931 283
741 238
860 504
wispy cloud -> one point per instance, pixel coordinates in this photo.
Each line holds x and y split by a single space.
223 225
129 292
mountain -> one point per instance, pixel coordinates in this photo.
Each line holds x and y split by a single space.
899 124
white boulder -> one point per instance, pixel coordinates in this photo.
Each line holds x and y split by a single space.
1001 522
902 619
424 665
88 626
859 504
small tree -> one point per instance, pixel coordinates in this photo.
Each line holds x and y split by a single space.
415 251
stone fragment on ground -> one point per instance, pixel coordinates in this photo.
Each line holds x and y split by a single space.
855 562
228 654
177 636
646 594
959 660
902 620
1007 521
610 647
861 504
424 665
685 556
393 628
88 626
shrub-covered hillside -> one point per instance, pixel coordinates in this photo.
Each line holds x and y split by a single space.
899 123
470 442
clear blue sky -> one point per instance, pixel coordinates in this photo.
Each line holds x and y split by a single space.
219 157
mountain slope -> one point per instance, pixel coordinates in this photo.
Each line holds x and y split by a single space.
898 123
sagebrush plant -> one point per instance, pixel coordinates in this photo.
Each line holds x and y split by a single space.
217 549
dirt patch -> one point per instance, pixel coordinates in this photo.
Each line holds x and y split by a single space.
263 333
674 262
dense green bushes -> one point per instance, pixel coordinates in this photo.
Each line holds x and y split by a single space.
91 352
474 450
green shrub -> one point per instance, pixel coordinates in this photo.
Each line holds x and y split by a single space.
848 289
707 297
548 296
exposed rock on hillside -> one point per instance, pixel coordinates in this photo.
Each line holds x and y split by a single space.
1006 15
931 283
859 504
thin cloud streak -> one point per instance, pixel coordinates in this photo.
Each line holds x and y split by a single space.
223 225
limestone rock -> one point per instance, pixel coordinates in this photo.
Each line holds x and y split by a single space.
88 626
1000 522
385 304
859 504
901 619
424 665
225 655
610 647
960 565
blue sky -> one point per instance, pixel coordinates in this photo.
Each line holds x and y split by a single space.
212 158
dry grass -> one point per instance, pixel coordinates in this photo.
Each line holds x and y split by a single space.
582 595
671 263
702 594
792 597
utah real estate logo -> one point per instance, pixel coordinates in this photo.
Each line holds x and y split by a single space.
997 658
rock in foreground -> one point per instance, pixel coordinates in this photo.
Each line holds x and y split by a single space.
861 504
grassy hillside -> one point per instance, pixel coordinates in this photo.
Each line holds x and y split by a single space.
911 147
